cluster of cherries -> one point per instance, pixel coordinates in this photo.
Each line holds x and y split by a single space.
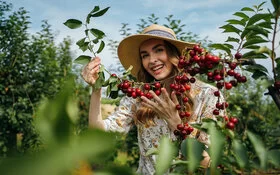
192 62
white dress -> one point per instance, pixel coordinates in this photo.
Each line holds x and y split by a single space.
149 137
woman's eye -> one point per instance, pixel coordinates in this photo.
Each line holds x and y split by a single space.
144 56
159 50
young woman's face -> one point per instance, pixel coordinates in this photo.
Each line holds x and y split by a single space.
155 60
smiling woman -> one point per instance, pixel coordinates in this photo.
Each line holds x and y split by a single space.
154 55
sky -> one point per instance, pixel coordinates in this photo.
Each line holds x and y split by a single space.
201 17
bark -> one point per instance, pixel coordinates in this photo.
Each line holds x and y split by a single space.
275 94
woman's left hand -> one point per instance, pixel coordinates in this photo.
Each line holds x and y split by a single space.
165 107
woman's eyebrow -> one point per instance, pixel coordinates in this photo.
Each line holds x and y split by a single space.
155 47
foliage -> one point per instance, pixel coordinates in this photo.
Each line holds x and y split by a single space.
31 68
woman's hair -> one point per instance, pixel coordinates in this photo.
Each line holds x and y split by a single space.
145 115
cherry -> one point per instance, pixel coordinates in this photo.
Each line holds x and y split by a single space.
178 107
232 65
228 85
217 93
230 125
233 120
238 55
158 92
113 75
147 86
216 112
185 99
180 126
157 85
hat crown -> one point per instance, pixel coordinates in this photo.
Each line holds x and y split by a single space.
158 30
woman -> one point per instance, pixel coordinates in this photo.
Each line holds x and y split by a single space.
154 55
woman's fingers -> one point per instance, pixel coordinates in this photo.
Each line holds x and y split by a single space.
174 98
90 71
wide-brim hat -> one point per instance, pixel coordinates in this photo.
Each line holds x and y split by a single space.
128 49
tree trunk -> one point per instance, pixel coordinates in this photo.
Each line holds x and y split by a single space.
275 94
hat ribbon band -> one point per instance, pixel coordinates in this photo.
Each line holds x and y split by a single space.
160 33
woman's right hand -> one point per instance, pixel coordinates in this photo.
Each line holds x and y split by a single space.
90 71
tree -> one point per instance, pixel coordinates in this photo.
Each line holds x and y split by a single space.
32 67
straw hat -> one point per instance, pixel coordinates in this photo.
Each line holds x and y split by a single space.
128 50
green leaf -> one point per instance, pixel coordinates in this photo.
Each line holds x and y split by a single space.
259 148
100 13
97 33
192 150
82 59
234 21
252 41
274 157
247 9
266 24
101 47
258 30
232 39
217 140
82 44
253 55
167 151
95 9
259 74
257 17
240 153
258 67
223 47
73 23
242 15
230 29
99 82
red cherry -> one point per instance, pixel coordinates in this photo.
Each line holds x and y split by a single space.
218 77
217 93
114 75
233 120
134 95
149 95
216 112
182 114
230 125
147 87
185 99
215 59
138 91
180 126
232 65
157 85
238 55
158 92
178 107
228 85
231 72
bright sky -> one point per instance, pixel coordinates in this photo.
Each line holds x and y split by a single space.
202 17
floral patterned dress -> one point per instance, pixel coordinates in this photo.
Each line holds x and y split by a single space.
149 137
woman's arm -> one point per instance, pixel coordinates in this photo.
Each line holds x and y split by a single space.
90 75
95 117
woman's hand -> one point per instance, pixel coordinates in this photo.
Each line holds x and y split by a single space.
90 71
165 107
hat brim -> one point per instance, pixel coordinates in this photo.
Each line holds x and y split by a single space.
128 52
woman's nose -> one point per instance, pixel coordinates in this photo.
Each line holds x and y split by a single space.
153 57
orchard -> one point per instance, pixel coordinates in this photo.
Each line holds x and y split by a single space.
244 141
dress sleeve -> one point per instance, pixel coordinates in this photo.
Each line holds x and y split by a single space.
122 119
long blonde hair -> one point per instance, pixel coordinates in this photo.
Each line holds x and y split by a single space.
146 115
